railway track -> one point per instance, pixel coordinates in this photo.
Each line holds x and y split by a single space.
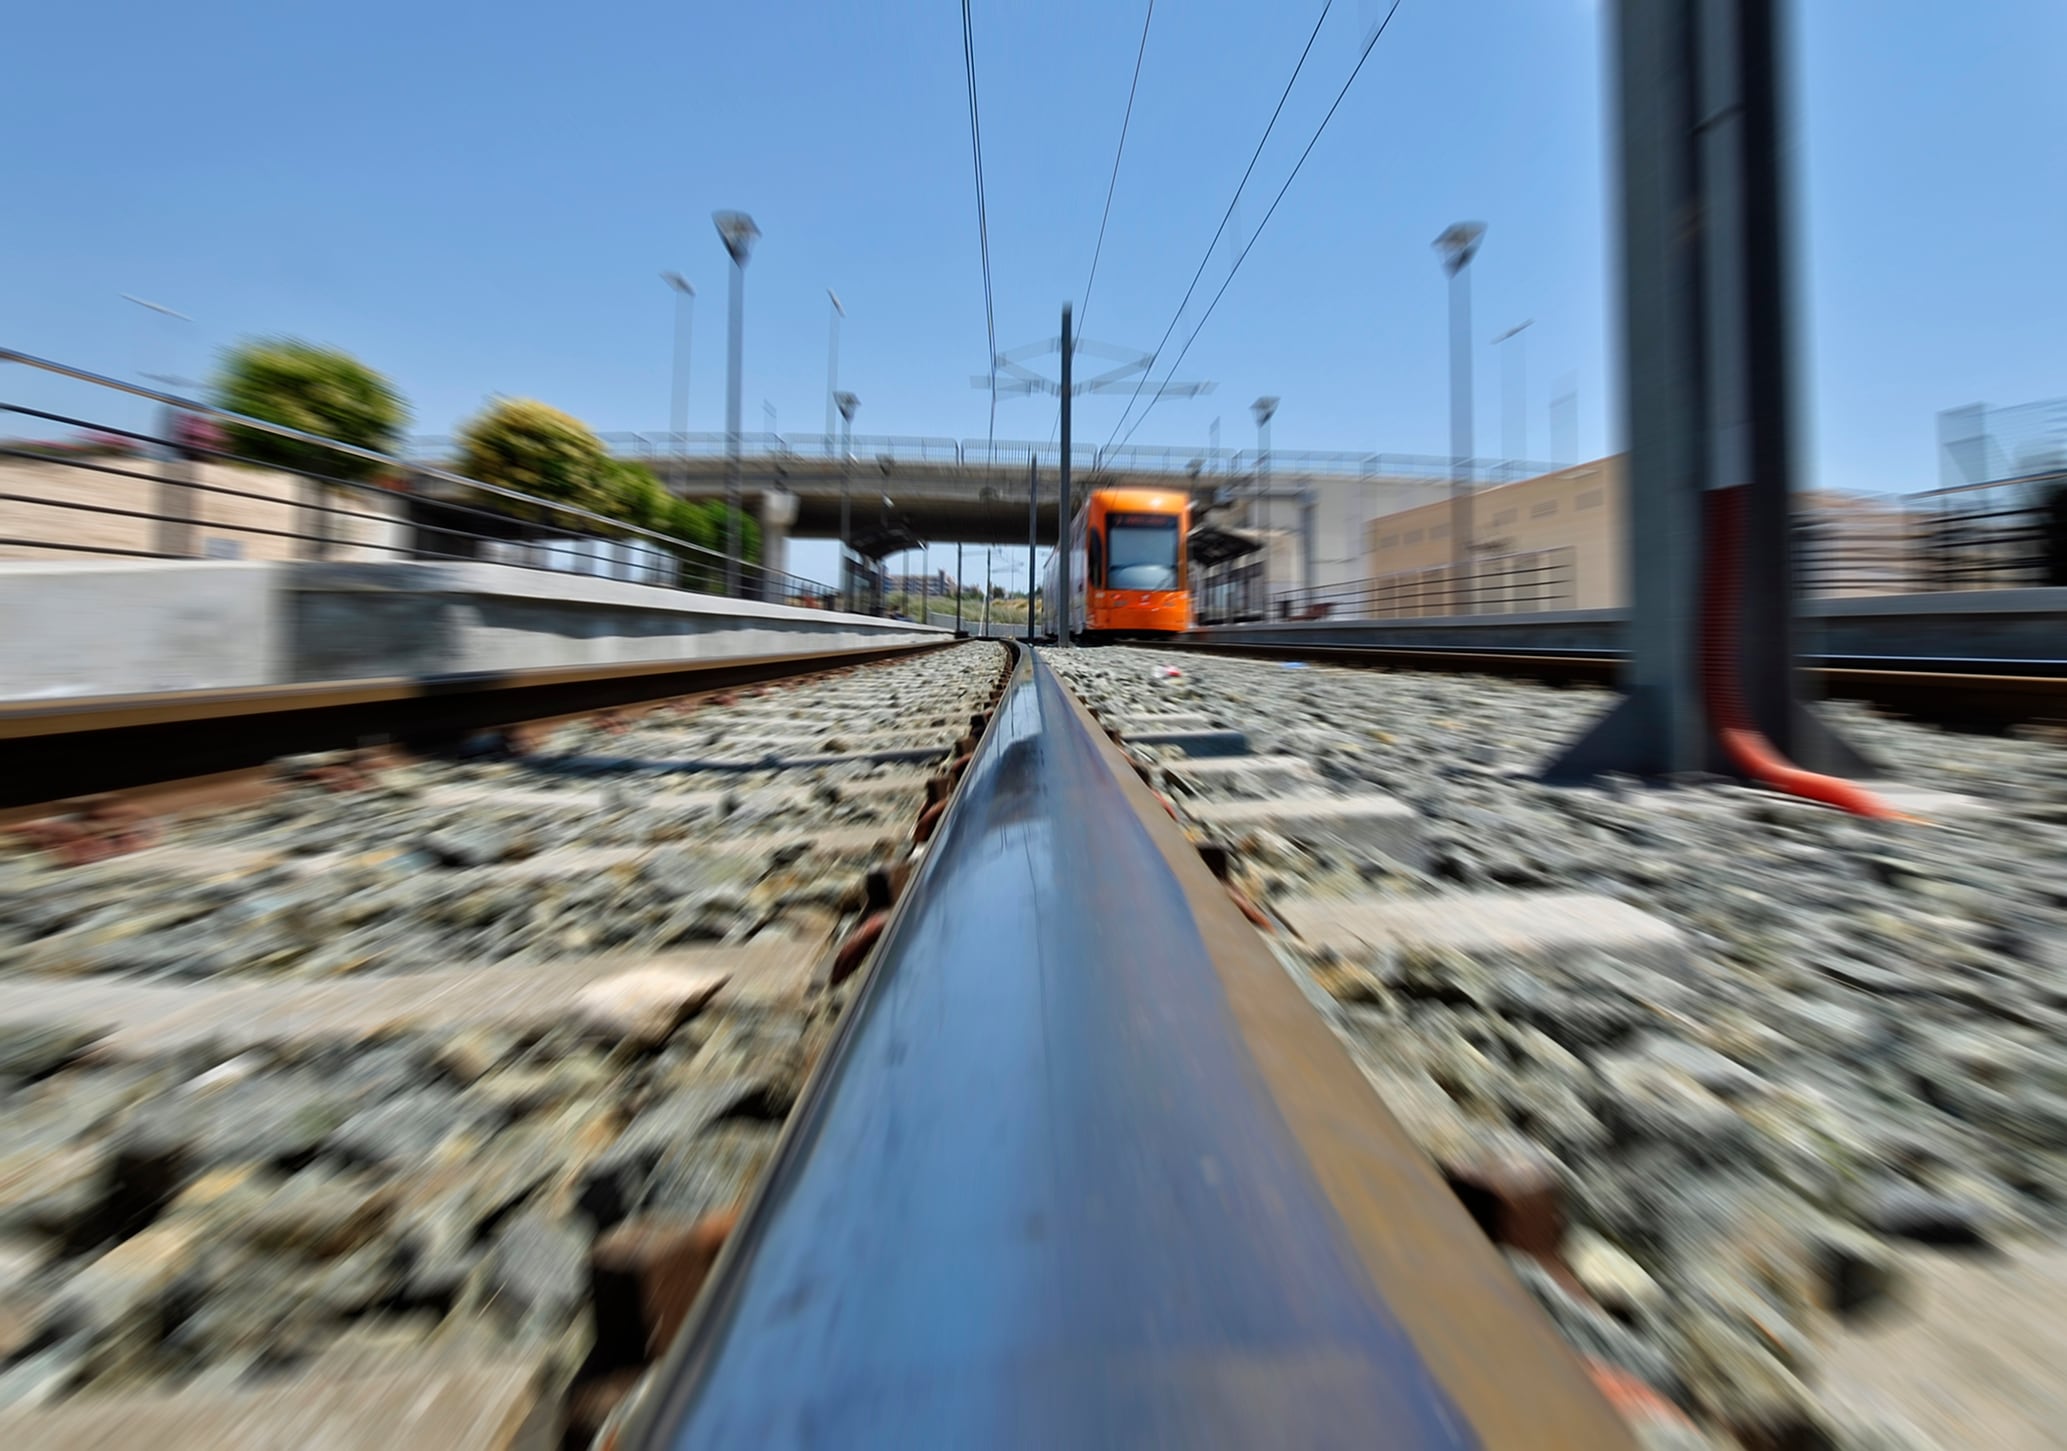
429 1083
68 747
1082 1166
1652 1037
452 1090
1967 694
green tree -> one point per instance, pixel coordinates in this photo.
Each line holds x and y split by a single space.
316 390
637 497
522 444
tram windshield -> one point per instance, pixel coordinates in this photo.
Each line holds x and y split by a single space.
1141 551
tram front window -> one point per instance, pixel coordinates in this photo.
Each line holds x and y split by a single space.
1141 551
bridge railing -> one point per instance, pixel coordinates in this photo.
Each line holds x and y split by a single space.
74 485
1012 456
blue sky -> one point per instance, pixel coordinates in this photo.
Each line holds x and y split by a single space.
478 199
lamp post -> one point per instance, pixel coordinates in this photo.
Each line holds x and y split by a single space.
1458 245
1514 386
1265 409
738 232
175 496
832 366
685 312
847 403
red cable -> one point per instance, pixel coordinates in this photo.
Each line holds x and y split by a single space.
1746 746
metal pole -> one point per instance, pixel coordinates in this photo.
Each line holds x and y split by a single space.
832 365
1514 392
735 348
846 503
1033 525
678 397
1460 423
990 559
958 587
1063 513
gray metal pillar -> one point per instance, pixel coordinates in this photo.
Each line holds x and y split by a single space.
1706 312
1460 412
1309 542
1033 535
1062 506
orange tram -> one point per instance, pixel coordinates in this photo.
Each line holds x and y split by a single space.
1127 575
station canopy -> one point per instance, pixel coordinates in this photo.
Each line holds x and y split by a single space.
1211 544
880 539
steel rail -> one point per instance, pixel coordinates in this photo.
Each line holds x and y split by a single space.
1083 1167
1983 693
58 748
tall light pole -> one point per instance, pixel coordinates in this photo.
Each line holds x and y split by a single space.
1061 561
1265 409
1514 388
175 497
847 403
685 312
832 366
1458 245
738 232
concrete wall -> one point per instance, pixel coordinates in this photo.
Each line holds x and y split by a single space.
348 621
97 627
120 628
236 513
1579 508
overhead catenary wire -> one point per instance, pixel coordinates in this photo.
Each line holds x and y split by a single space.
1232 202
1314 140
990 326
1112 184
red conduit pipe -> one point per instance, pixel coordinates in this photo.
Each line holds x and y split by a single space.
1746 746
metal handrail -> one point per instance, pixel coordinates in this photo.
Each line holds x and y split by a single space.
975 452
688 556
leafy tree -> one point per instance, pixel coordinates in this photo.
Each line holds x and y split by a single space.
522 444
316 390
637 497
690 521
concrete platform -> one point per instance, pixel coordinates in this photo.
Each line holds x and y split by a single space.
1363 824
1540 926
102 628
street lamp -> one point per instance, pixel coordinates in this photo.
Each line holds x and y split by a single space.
846 403
1514 386
175 535
832 366
685 311
1458 245
738 232
1265 409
